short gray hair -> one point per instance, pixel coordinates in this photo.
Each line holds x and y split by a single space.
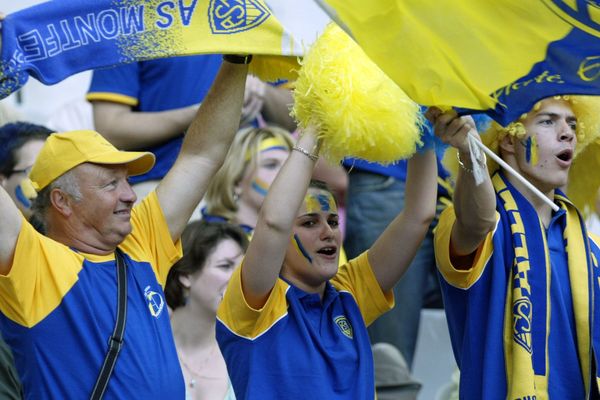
67 182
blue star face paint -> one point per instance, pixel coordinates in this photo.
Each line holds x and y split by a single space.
531 155
300 248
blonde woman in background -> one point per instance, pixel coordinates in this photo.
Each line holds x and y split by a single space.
238 190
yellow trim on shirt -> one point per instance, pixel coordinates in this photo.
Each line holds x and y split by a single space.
462 279
243 320
31 290
357 278
150 236
112 97
44 270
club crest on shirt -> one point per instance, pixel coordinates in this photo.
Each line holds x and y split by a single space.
155 301
342 322
232 16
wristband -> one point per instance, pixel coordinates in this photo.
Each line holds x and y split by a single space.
463 166
237 59
313 157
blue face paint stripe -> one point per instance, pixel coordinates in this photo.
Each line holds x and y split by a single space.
21 197
302 249
262 191
323 202
528 150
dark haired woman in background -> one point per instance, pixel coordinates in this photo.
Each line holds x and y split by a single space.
194 289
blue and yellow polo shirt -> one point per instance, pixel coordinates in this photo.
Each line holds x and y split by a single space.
299 346
58 309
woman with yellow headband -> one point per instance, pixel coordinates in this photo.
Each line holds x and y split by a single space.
237 191
292 325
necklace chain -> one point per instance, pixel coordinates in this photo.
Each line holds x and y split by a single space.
199 373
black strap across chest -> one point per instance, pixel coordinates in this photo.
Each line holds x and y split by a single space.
115 342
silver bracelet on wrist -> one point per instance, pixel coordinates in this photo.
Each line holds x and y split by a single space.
463 166
313 157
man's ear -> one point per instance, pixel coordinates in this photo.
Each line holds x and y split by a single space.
61 202
3 180
507 144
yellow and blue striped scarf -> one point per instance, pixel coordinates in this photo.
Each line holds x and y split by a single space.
527 309
56 39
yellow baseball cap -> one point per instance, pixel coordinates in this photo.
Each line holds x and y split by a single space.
64 151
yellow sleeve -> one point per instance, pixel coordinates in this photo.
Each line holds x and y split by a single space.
42 272
343 257
244 320
357 278
459 278
150 239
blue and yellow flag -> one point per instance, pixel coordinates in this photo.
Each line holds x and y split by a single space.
481 55
56 39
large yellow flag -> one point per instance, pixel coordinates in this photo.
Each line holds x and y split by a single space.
480 54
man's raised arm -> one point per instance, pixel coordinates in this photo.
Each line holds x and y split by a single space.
204 148
11 220
474 205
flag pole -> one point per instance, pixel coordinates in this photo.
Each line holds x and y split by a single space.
327 9
514 173
335 18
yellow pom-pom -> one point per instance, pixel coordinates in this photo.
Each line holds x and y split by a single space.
274 68
358 110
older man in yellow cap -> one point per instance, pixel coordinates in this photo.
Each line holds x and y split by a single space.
82 306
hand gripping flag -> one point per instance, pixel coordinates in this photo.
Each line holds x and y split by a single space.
501 57
56 39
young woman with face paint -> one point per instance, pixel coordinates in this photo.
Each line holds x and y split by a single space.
292 324
237 191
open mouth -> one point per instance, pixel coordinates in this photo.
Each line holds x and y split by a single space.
565 155
122 212
328 251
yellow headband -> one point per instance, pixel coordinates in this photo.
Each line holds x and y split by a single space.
268 143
